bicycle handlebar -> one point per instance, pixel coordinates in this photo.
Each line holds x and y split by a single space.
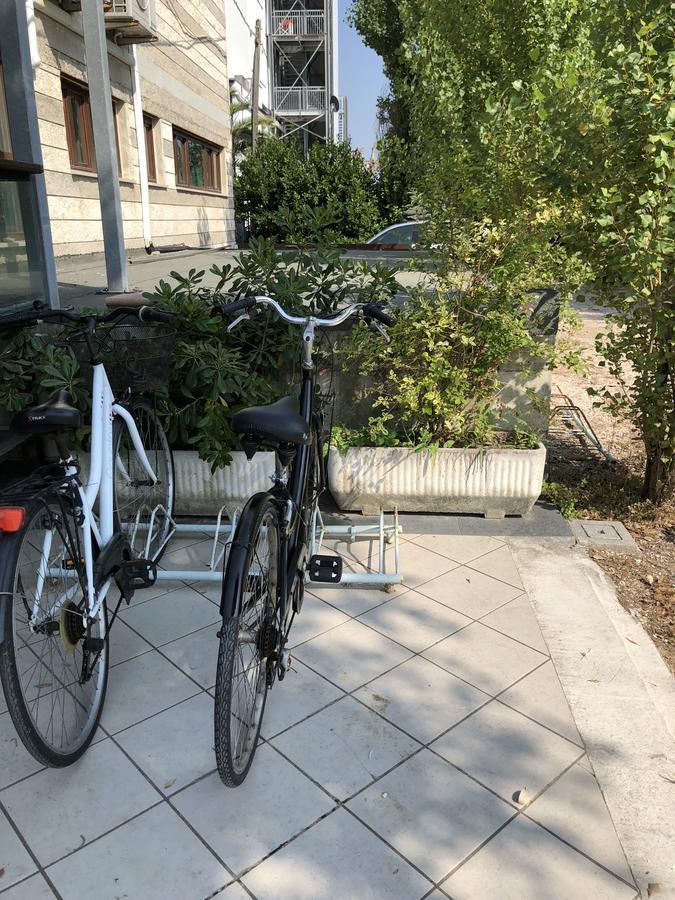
34 316
367 311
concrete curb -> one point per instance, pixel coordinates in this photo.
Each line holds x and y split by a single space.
622 697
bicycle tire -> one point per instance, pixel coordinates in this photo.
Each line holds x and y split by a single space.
23 651
251 622
134 499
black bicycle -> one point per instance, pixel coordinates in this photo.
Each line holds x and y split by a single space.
269 559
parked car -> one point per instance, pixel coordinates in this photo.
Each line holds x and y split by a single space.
407 233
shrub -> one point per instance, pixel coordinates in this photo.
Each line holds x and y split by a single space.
332 179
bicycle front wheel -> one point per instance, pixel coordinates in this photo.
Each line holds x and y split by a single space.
143 509
246 642
54 685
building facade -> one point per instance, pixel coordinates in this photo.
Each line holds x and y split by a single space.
178 53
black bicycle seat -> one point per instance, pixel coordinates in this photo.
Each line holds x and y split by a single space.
279 421
55 414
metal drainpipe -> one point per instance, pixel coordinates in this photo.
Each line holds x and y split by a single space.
142 155
32 35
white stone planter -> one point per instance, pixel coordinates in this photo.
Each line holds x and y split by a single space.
494 482
199 492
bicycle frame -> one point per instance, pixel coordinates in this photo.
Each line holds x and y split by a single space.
100 485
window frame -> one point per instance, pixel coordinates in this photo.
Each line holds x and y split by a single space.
150 159
4 111
210 162
76 88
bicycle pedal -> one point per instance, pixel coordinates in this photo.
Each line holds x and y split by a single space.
325 569
93 645
135 574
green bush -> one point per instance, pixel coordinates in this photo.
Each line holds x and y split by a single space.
332 183
436 384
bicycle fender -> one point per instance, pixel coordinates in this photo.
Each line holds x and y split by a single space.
234 571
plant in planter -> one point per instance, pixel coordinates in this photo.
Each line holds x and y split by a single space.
434 388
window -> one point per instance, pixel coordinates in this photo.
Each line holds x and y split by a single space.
148 125
78 126
5 142
79 131
197 163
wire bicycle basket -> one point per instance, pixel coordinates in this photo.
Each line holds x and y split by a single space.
136 355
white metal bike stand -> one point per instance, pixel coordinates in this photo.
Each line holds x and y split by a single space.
383 532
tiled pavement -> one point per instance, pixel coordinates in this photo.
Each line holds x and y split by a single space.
421 747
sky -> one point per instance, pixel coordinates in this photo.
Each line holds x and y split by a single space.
362 81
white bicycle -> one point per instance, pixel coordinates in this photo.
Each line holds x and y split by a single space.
64 542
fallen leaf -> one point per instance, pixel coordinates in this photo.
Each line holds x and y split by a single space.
2 872
83 840
631 641
594 680
169 784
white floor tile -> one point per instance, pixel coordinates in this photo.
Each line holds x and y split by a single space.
345 746
172 616
540 696
574 809
469 592
155 857
176 746
419 565
351 654
506 752
314 619
518 620
33 888
414 620
15 761
337 859
301 693
421 698
196 654
60 810
432 814
142 687
15 860
485 658
244 825
352 601
524 861
458 548
499 564
124 643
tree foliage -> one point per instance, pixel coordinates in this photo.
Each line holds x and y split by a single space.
543 135
332 179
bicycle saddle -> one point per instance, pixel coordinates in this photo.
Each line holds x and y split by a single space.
279 421
54 414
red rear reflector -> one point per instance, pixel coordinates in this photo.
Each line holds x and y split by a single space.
11 517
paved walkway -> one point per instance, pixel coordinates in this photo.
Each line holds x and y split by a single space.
421 747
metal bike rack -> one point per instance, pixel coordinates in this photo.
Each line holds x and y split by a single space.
385 533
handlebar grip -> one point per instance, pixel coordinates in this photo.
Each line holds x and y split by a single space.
375 311
231 309
22 317
150 314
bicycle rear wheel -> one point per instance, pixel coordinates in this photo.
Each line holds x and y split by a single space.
246 642
143 510
54 687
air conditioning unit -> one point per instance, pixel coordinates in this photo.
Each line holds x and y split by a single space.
131 21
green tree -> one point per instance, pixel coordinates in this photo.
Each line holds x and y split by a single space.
543 139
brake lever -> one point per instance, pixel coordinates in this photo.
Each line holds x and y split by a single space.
233 324
376 328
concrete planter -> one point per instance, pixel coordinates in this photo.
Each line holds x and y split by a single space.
201 493
494 482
